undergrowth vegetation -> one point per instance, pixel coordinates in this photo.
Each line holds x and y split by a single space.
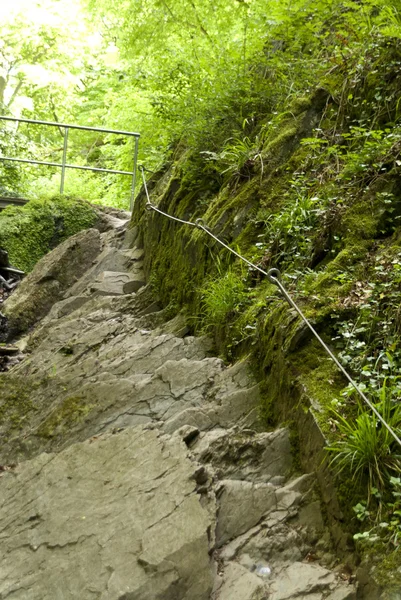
222 298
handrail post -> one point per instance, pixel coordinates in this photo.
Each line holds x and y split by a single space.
131 204
64 161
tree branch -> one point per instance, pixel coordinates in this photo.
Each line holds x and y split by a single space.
200 24
15 92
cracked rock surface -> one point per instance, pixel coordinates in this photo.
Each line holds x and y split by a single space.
136 465
105 519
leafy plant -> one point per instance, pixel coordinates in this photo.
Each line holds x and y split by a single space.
289 233
369 344
382 527
237 159
366 449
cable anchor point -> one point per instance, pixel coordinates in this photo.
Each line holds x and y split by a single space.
200 224
274 276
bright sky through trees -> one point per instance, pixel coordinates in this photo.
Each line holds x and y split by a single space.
201 71
42 44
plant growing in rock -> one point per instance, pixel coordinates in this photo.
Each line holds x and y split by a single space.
365 449
238 159
222 297
288 237
384 527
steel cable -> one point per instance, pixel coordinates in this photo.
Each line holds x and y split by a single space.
273 276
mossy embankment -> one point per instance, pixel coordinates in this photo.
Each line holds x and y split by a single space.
27 233
319 197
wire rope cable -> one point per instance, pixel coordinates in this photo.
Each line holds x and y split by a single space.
274 276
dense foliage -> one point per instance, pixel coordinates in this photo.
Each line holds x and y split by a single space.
207 73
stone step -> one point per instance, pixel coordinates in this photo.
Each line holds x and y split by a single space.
114 283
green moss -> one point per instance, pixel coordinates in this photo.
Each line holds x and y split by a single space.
300 105
361 220
350 255
226 207
274 148
388 572
72 410
321 379
15 403
29 232
267 413
295 443
297 377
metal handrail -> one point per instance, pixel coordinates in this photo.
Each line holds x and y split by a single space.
274 276
64 165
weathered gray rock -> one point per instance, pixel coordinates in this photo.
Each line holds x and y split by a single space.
111 258
134 284
111 218
344 592
238 583
63 308
301 580
113 518
50 278
133 254
241 505
130 237
139 514
250 456
114 283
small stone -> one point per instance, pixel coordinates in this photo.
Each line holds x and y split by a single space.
263 571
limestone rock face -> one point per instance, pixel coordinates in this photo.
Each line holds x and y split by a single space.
51 277
115 517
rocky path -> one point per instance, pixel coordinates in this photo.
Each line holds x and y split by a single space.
134 464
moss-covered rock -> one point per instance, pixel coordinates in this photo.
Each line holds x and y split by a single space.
27 233
49 279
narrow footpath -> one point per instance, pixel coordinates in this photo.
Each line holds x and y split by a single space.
134 465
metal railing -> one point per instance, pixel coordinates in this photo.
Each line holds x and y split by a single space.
64 165
274 276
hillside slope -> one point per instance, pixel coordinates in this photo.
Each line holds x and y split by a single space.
314 192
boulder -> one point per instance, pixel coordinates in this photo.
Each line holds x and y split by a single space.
51 276
238 583
301 580
241 505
